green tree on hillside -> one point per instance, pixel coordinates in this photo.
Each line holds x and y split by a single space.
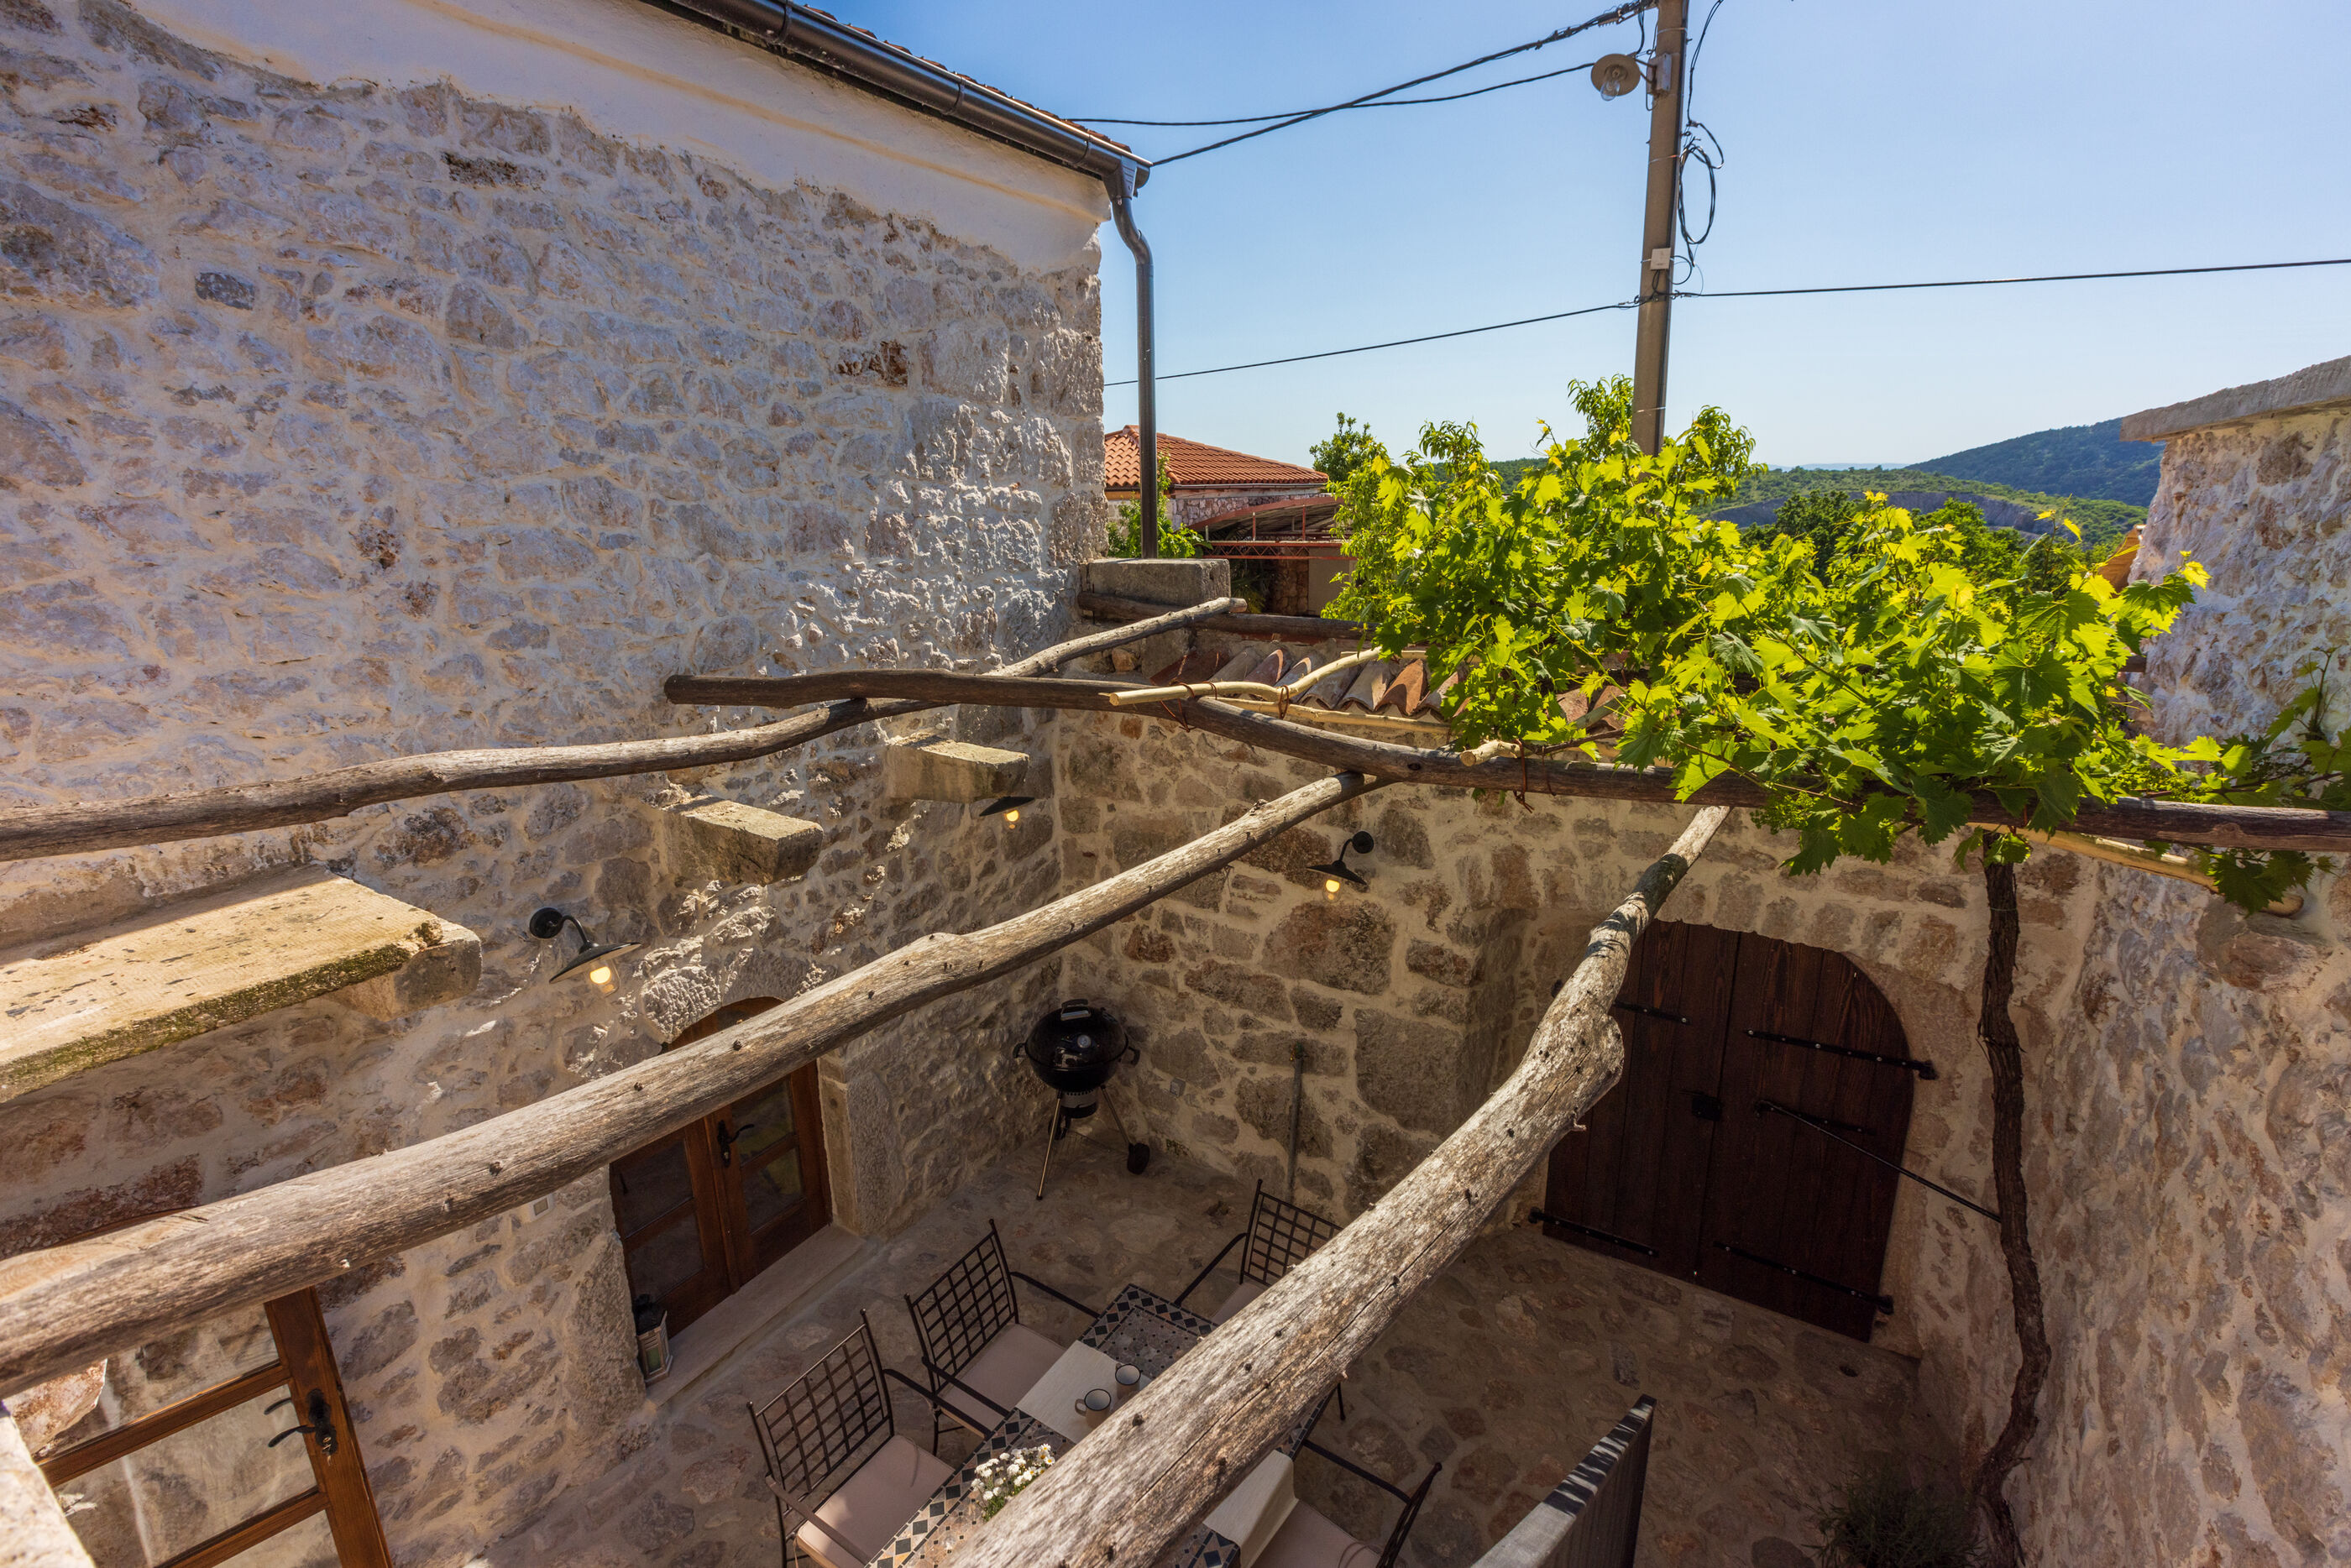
1349 448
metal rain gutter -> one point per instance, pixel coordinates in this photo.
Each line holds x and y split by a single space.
816 40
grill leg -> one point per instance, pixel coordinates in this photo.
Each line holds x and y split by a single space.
1052 1127
1138 1155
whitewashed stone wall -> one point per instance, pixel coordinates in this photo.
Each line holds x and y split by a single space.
2189 1140
340 423
1413 999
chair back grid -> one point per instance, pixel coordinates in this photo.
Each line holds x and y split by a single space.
1282 1236
963 1309
823 1420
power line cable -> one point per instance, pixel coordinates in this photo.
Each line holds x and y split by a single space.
1303 113
1755 294
1707 154
1623 13
1988 282
1395 343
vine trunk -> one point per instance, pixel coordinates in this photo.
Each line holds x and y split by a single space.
2005 1054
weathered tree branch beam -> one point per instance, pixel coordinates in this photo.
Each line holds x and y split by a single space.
1139 1482
80 829
2176 822
66 1307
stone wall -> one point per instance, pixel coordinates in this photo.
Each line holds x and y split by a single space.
1412 999
341 423
1190 504
2188 1132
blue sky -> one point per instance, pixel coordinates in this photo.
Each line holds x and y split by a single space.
1866 142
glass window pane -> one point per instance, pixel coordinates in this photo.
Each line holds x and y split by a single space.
308 1544
666 1260
773 1190
762 1122
166 1371
647 1186
181 1490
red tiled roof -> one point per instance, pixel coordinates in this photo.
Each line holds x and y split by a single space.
1192 463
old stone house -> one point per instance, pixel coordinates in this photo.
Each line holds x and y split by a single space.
396 378
1204 480
392 378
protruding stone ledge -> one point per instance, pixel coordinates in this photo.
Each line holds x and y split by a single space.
727 841
79 1000
949 770
1161 580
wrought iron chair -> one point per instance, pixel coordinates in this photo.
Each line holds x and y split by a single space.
1310 1539
981 1358
1279 1237
835 1418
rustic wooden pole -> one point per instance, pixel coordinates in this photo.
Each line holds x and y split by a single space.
1139 1482
82 827
66 1307
2172 821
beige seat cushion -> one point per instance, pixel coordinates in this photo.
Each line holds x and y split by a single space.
1308 1539
1006 1369
1243 1293
856 1522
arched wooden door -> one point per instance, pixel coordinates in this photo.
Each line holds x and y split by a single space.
1718 1157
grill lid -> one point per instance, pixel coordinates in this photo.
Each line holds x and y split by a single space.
1075 1046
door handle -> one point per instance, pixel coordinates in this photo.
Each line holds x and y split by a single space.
321 1425
727 1137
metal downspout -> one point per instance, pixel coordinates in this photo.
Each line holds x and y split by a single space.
1146 403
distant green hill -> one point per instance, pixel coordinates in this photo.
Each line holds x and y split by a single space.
2091 461
2102 521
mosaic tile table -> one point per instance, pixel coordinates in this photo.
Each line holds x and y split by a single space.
1140 1329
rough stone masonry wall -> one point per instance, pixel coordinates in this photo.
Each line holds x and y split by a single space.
341 423
1413 999
2191 1144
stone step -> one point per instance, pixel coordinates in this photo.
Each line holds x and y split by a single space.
80 1000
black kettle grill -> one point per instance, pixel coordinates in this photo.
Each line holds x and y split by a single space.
1074 1048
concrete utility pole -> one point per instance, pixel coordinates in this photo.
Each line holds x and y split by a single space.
1668 73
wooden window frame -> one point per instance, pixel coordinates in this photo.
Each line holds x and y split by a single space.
720 1206
305 1363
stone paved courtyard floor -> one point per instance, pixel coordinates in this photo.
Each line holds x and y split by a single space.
1506 1370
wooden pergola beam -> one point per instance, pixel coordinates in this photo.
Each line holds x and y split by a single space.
2169 821
85 826
1139 1482
67 1306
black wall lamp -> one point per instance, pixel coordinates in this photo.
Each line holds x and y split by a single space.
547 924
1006 806
1337 871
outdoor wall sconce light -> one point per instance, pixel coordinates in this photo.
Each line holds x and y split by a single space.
547 924
1337 871
1006 806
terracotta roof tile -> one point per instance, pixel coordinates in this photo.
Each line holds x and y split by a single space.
1192 463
